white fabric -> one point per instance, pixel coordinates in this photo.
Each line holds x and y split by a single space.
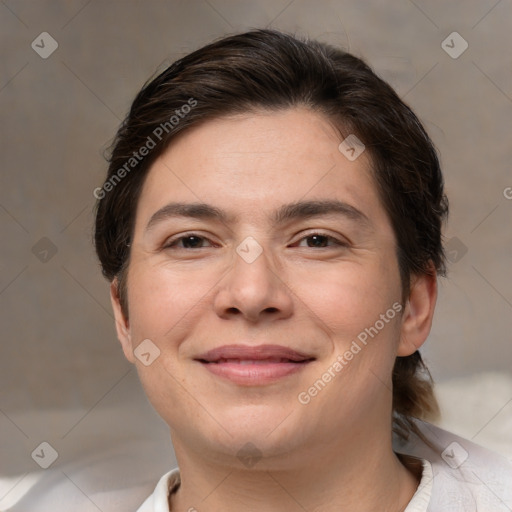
158 501
457 476
421 498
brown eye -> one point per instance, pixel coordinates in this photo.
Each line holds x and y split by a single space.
188 242
317 241
191 242
321 240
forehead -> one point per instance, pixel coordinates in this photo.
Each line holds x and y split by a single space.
256 162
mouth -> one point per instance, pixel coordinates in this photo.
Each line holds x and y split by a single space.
252 366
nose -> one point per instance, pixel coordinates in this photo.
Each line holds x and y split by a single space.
253 290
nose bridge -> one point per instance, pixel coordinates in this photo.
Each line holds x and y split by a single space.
252 286
252 269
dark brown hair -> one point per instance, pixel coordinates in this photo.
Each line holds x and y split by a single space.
271 70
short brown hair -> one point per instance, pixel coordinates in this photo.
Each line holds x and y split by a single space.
271 70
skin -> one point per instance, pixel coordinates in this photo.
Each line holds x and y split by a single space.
314 299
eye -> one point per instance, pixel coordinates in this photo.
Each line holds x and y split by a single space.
321 240
188 241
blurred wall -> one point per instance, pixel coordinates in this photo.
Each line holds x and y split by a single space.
60 111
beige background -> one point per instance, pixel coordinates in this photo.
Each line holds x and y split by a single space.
59 350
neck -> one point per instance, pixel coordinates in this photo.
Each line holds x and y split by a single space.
364 476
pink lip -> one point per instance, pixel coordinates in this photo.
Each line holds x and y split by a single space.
247 365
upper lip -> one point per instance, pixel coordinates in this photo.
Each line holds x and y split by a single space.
253 353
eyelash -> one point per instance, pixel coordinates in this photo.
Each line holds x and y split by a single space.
336 241
171 243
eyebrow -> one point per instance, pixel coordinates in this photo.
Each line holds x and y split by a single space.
306 209
193 210
294 211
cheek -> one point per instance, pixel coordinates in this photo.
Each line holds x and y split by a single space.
164 306
163 302
346 298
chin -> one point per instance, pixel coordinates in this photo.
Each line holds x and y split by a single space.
268 428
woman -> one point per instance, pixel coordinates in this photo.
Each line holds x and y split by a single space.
271 227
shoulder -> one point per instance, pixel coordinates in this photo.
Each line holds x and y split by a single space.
158 500
465 476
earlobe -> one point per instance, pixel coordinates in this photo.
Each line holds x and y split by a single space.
418 313
122 323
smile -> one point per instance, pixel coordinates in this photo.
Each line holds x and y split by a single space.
254 366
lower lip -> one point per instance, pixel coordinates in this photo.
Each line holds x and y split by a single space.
254 374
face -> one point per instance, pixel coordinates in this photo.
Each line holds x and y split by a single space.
274 313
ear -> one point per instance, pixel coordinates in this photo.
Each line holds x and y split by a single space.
418 313
122 323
